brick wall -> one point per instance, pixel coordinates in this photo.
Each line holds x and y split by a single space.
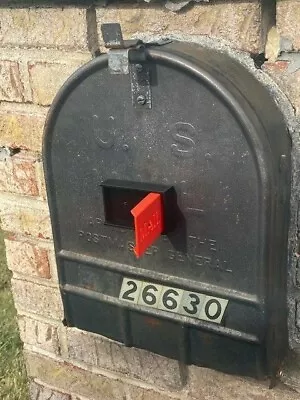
39 49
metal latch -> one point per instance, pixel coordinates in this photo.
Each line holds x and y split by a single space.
129 57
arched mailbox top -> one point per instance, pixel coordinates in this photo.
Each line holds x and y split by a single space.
195 121
248 100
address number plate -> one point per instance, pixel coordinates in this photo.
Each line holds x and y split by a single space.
192 304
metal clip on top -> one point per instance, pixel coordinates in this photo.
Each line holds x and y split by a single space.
128 57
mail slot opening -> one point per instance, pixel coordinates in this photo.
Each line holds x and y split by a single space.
120 198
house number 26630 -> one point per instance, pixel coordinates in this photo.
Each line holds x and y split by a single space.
179 301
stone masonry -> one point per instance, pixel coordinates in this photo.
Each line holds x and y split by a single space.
39 49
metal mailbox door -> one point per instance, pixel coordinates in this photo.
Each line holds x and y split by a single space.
211 291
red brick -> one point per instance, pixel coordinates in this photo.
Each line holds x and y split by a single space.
276 67
47 78
40 334
209 384
41 180
204 384
288 21
113 356
27 259
21 130
289 82
85 384
25 216
18 175
40 392
37 299
51 27
239 23
11 87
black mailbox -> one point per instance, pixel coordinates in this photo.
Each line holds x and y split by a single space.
191 122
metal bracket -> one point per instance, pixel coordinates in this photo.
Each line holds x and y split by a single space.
118 63
112 36
128 57
118 55
140 85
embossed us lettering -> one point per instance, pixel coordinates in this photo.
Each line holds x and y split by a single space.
184 145
105 138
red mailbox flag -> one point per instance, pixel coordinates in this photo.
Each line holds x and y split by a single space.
148 222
